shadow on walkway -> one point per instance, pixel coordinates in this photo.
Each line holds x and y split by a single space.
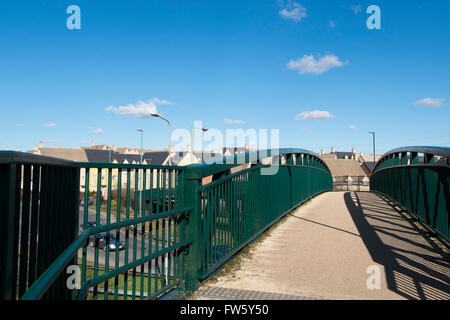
415 268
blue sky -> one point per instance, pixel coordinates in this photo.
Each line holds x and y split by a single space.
310 68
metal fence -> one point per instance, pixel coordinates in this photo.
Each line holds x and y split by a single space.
145 229
351 183
38 220
418 180
237 208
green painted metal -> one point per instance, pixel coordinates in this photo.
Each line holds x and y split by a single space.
420 187
234 209
180 233
57 267
38 220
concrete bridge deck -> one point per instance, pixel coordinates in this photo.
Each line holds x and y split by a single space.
324 249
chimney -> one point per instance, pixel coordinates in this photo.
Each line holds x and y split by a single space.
332 149
353 150
322 152
92 143
41 145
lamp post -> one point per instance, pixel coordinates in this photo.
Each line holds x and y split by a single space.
192 141
373 134
170 163
170 137
143 171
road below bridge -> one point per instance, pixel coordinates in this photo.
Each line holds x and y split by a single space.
331 248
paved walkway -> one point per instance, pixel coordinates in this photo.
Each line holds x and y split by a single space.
324 250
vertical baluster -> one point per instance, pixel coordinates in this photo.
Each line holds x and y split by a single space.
157 264
118 212
97 223
24 233
150 236
108 233
143 226
85 221
127 234
34 224
135 231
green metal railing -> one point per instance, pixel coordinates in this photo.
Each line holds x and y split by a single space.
140 209
235 208
418 180
149 191
38 220
140 230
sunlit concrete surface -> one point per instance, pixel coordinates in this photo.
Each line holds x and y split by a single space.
331 247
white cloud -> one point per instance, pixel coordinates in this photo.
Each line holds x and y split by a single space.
429 102
352 127
19 125
49 125
314 115
332 24
232 121
355 8
309 64
140 110
98 131
305 129
293 11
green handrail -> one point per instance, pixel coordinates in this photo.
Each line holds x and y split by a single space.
418 184
176 187
46 279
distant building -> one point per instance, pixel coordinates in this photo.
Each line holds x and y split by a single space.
228 151
104 154
347 172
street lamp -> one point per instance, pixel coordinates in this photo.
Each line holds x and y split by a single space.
170 163
170 138
192 141
143 171
373 134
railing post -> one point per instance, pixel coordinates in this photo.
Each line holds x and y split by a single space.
414 158
8 258
298 159
429 159
192 261
404 158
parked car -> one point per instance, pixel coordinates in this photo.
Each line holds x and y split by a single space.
88 224
90 202
101 240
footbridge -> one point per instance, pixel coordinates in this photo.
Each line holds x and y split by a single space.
96 231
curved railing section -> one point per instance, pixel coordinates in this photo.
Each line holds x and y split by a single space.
418 180
126 231
234 207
